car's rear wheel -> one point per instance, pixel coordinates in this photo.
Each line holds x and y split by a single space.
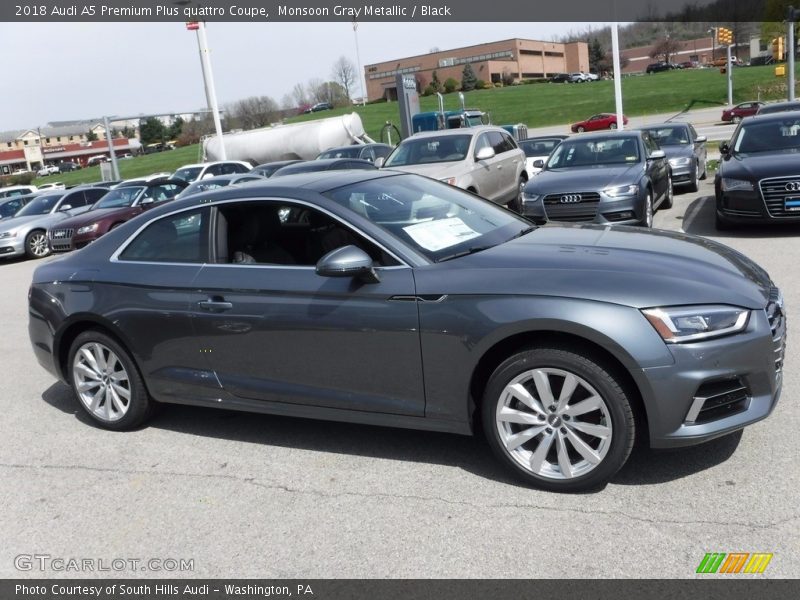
612 126
36 245
737 119
106 382
670 195
695 185
581 129
558 419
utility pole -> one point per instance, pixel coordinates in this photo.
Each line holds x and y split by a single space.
792 14
617 75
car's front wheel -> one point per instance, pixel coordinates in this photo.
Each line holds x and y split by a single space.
647 211
36 245
581 129
612 126
106 382
558 419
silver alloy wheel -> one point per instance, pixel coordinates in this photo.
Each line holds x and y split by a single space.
612 126
37 243
101 382
553 437
697 175
670 192
648 211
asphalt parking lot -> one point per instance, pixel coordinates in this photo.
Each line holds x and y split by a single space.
259 496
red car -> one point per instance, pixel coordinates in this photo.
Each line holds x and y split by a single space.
597 122
740 111
115 208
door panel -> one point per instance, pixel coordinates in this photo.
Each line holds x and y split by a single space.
286 334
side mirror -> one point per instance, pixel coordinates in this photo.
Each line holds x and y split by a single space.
379 162
538 163
146 201
656 154
724 148
347 261
65 207
701 139
484 153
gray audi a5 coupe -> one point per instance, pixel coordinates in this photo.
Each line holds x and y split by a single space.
610 177
392 299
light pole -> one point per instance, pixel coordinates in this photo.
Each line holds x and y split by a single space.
361 82
617 74
792 14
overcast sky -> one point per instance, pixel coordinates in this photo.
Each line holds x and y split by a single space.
66 71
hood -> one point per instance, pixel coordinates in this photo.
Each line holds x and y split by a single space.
32 221
94 215
754 167
621 265
584 179
439 170
677 150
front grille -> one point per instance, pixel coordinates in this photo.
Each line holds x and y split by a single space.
583 210
777 323
774 193
717 400
735 212
60 239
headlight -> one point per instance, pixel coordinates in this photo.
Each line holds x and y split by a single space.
622 190
680 162
677 324
449 180
88 229
526 197
736 185
8 234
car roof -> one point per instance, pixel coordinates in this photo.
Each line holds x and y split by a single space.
774 116
321 164
780 106
459 131
152 183
541 138
606 135
279 162
664 124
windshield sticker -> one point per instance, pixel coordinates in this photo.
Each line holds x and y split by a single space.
440 234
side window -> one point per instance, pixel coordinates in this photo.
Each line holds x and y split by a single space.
181 238
693 132
511 144
368 154
160 193
74 199
233 168
283 233
93 196
649 145
214 170
497 142
483 142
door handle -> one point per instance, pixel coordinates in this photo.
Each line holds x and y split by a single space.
215 305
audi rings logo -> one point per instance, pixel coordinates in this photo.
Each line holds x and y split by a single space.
570 198
793 186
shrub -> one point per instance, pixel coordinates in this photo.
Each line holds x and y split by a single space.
480 84
450 85
429 90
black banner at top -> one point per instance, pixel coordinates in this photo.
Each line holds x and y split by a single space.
380 10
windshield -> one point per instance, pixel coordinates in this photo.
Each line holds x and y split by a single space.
768 136
188 174
39 206
430 150
341 153
437 220
7 209
534 148
677 135
119 198
594 152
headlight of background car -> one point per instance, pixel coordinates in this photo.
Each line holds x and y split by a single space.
736 185
680 162
676 324
622 190
8 234
88 228
526 197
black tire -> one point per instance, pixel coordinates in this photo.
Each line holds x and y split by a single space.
737 119
695 184
668 201
612 126
36 245
607 387
648 205
720 223
516 203
139 406
581 129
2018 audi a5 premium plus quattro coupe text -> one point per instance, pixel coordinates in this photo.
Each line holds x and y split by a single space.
388 298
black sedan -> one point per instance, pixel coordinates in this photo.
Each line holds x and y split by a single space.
324 164
758 179
685 150
611 177
392 299
267 169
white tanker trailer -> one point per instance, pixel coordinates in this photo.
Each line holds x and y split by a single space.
302 141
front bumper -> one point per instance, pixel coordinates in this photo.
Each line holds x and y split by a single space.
683 174
12 247
716 387
593 207
768 203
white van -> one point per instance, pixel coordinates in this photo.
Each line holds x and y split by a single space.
96 160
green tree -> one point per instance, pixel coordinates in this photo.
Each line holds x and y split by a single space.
175 129
450 85
91 136
598 57
468 78
151 130
436 82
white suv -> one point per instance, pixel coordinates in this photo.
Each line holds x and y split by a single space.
190 173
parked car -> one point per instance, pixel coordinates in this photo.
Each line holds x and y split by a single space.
740 111
685 150
9 206
319 106
620 177
190 173
212 183
658 67
560 78
96 160
17 190
538 148
103 184
774 107
369 152
484 160
48 170
113 209
722 61
26 232
267 169
757 179
64 167
577 78
324 164
435 310
55 185
597 122
688 64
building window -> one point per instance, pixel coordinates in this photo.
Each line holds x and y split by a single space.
554 54
531 52
58 139
46 140
532 75
25 142
71 138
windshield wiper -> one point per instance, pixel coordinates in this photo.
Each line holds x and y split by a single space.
525 231
468 251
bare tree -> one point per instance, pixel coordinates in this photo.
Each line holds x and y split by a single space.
287 102
300 95
344 73
665 48
253 112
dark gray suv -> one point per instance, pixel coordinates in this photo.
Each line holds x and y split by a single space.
392 299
